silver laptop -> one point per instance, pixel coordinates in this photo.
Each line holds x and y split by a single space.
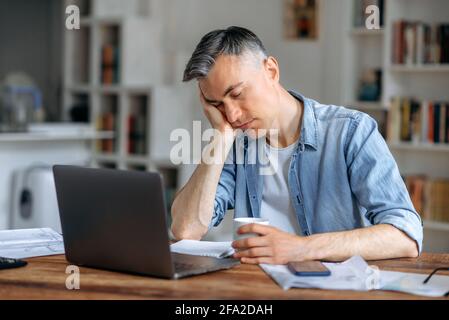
116 220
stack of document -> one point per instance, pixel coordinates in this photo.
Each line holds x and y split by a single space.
356 274
352 274
26 243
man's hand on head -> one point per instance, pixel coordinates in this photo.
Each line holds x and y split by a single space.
216 118
273 246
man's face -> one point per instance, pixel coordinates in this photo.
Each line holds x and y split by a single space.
243 88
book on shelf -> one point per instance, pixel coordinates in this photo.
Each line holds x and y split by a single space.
106 122
131 142
416 43
411 120
430 197
360 14
137 134
99 127
109 64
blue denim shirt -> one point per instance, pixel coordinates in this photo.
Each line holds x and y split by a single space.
342 176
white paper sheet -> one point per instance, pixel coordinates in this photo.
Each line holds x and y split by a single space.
353 274
203 248
356 274
412 283
26 243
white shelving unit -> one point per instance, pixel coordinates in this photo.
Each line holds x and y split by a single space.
372 48
439 226
361 52
423 68
419 147
368 106
144 107
360 31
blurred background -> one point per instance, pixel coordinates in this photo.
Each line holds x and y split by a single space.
110 93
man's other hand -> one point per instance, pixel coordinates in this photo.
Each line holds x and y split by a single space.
273 246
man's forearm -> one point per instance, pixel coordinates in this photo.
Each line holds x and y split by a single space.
381 241
193 206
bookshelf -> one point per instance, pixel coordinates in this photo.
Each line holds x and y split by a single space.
432 68
439 226
420 147
361 31
368 106
363 85
424 81
113 75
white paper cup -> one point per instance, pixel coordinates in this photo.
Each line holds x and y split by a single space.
238 222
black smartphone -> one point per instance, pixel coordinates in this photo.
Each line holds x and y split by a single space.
309 269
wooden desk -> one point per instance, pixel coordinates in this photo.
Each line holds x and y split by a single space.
44 278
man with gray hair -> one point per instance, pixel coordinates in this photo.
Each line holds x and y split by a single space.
337 191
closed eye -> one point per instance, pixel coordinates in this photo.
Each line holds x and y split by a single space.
236 95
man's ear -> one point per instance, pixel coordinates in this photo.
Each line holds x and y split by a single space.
272 68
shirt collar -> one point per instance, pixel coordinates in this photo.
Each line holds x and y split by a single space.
309 132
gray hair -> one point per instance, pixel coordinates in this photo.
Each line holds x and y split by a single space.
231 41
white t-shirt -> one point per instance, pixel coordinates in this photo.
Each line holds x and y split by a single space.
276 203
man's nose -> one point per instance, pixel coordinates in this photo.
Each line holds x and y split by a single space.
233 113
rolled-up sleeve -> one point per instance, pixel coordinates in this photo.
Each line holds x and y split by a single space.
376 182
225 195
